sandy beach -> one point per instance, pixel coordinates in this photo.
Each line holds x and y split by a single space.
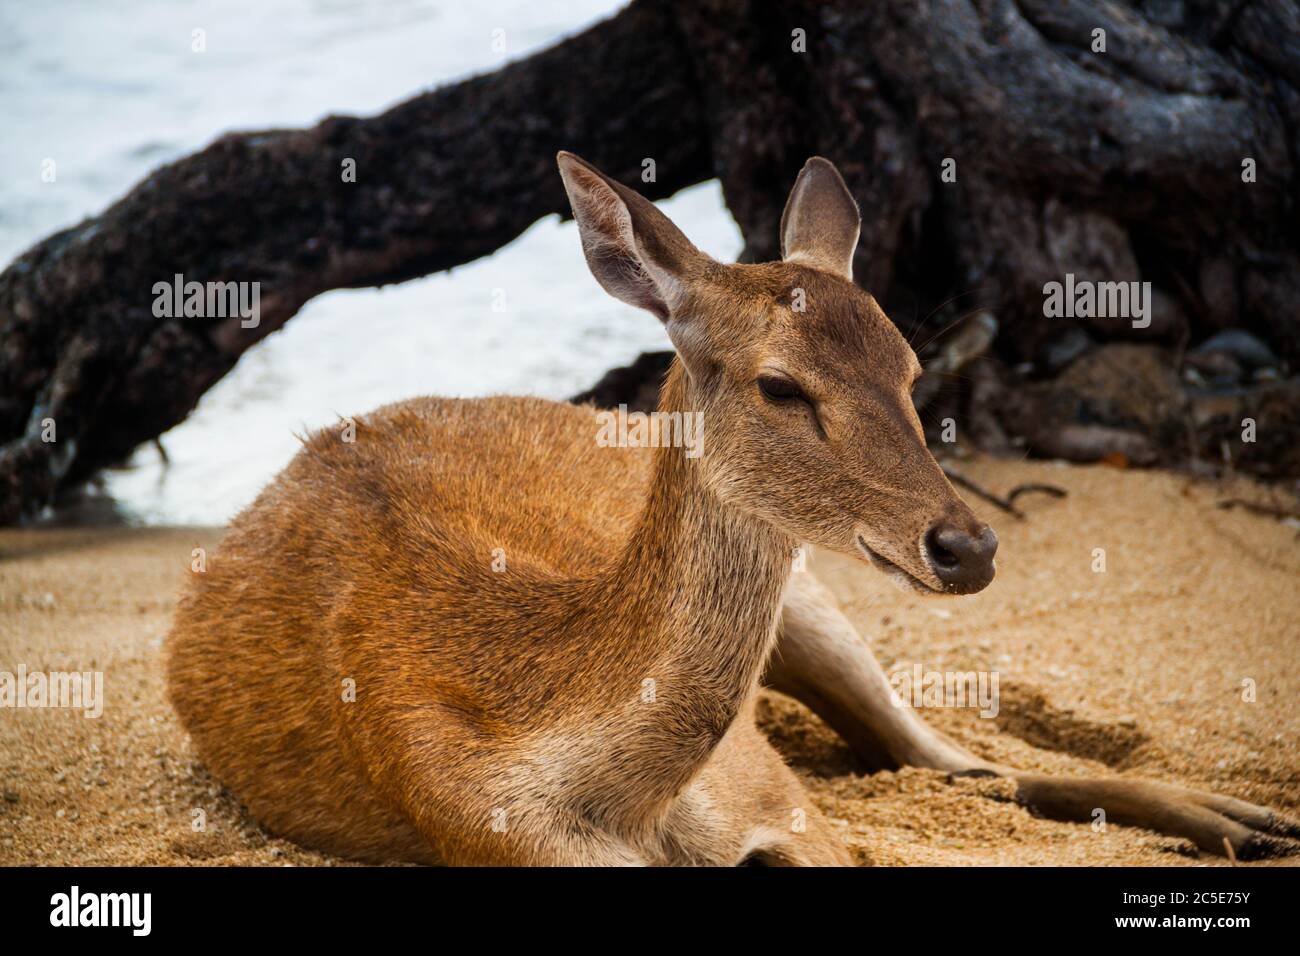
1139 670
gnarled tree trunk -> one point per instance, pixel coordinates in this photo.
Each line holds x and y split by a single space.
991 148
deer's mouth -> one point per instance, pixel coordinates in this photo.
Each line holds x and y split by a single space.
903 578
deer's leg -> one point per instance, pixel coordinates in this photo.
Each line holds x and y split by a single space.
1207 819
469 825
822 661
473 805
513 829
747 807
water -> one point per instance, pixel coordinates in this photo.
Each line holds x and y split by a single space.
111 91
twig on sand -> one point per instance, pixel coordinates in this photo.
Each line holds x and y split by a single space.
1006 504
1269 511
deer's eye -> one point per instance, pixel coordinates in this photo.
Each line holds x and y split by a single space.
778 389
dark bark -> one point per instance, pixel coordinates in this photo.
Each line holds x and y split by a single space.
636 385
1125 165
441 180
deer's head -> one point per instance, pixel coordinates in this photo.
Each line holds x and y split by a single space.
803 383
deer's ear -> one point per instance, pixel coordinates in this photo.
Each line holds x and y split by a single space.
821 221
634 251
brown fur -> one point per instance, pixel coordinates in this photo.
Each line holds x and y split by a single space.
479 691
518 698
592 701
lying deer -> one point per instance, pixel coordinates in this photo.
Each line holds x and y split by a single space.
473 636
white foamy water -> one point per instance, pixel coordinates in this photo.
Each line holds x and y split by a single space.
111 91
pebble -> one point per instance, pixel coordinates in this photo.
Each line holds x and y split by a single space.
1212 369
1248 349
1064 350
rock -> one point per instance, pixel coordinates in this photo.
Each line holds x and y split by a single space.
1246 349
1218 424
1115 400
1211 370
1061 351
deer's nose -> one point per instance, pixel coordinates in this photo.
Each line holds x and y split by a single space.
961 560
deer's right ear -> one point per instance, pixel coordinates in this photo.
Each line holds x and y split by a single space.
634 251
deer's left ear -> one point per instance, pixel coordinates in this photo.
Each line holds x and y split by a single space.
821 221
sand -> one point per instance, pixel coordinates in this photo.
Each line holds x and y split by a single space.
1137 670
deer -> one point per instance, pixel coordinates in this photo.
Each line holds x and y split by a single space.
473 636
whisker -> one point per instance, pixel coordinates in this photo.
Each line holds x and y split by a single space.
920 324
957 321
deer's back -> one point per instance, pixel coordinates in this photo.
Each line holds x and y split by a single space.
462 478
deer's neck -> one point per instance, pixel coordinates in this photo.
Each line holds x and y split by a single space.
689 617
